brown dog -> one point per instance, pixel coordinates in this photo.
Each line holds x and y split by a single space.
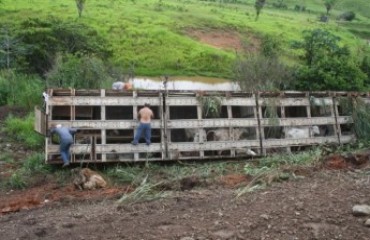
85 178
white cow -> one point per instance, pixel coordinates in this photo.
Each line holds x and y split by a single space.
193 134
223 134
301 132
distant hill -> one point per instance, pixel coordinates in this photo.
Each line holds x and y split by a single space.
195 37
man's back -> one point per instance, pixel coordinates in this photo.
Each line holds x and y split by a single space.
145 115
64 133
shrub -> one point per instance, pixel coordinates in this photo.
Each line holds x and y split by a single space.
347 16
280 4
77 72
258 72
271 45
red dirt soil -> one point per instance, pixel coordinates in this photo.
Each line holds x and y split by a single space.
225 39
38 196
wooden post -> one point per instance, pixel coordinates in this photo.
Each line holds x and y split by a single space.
200 118
260 131
135 116
103 131
335 113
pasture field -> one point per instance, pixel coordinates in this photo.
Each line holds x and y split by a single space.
157 37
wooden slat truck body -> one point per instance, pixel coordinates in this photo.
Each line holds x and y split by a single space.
108 119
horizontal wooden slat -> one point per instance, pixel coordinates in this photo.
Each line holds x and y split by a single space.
298 121
108 148
103 101
102 124
268 143
214 145
211 123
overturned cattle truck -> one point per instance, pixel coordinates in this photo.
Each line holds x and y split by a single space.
253 123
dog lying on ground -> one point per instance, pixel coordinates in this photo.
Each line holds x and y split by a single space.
85 178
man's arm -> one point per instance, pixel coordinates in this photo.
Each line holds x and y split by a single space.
51 132
73 130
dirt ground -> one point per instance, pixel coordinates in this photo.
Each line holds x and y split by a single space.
317 204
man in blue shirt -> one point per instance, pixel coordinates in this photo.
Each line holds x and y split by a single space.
66 140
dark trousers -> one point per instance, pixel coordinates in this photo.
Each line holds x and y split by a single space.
143 128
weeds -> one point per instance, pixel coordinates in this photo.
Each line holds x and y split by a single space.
16 181
35 164
22 130
276 168
121 174
144 192
22 177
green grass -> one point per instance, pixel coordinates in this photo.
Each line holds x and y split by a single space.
22 130
20 89
277 168
151 37
23 177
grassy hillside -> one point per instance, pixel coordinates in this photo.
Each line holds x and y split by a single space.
154 37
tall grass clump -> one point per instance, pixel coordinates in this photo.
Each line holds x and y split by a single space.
277 168
31 166
21 90
22 129
16 181
120 174
36 164
143 193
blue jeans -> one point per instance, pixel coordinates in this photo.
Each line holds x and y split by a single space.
143 128
64 151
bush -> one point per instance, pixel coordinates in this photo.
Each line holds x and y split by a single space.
280 4
271 46
22 130
77 72
347 16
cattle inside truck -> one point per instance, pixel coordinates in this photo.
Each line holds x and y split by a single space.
246 123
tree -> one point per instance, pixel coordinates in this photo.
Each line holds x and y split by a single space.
317 43
11 49
45 38
328 66
329 4
258 6
258 72
80 6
